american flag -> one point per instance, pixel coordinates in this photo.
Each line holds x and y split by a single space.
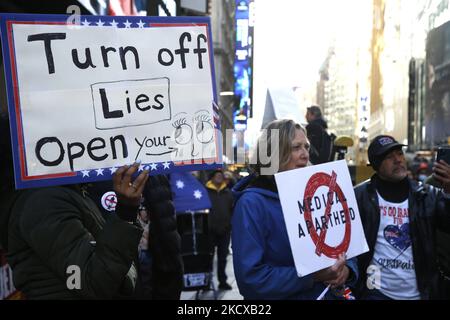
348 294
189 193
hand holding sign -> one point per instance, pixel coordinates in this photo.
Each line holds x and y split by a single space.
129 193
322 219
336 275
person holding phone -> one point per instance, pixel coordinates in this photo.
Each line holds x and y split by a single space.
442 238
439 170
400 218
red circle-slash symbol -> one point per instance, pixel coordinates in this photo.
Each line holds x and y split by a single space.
111 201
317 180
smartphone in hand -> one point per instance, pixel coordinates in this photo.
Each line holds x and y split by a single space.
443 153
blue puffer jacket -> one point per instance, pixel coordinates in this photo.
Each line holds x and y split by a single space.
263 263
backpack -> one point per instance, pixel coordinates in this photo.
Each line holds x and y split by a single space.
326 151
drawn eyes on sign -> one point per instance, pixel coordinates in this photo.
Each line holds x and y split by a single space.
204 129
183 131
184 128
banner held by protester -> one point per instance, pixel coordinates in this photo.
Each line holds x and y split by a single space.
321 215
86 99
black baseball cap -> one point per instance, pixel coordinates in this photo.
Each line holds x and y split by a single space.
379 147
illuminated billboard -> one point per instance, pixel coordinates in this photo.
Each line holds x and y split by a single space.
243 63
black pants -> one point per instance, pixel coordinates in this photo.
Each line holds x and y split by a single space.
222 242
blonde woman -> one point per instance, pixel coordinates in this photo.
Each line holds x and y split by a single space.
263 262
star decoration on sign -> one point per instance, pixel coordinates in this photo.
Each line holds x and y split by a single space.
100 23
114 23
153 166
127 24
180 184
113 169
166 165
86 23
85 173
141 167
99 172
197 194
141 24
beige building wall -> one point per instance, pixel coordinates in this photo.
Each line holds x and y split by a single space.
348 72
369 66
399 34
393 62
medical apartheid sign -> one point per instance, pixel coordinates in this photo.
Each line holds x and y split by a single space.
321 215
87 98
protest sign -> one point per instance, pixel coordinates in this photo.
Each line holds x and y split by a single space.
86 99
7 289
321 215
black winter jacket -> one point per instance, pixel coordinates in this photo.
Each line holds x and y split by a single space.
165 241
50 231
219 219
316 131
165 275
429 210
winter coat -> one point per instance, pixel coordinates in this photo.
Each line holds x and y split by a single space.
164 240
429 210
163 277
219 218
60 247
316 132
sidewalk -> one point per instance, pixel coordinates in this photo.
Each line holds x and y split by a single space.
221 294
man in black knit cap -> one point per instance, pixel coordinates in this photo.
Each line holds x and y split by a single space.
400 218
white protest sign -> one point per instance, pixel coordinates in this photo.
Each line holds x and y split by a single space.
98 96
321 215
